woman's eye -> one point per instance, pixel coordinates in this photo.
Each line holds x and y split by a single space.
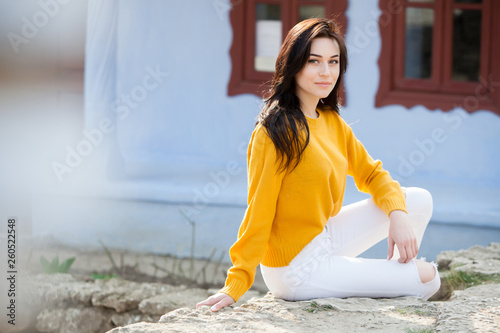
333 62
313 61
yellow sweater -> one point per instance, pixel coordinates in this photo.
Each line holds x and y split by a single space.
287 210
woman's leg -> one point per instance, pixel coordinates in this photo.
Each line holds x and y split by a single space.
327 267
355 229
340 276
359 226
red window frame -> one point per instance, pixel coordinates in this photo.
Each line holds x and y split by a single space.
244 78
440 91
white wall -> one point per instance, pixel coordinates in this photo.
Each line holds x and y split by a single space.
460 170
170 146
181 146
41 93
42 35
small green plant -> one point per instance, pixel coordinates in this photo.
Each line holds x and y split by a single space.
314 307
409 310
418 330
54 266
422 313
402 311
459 280
455 279
99 276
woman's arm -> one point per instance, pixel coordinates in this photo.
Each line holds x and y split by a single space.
387 194
401 234
218 301
264 183
370 177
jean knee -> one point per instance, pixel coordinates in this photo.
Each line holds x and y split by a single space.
426 271
429 280
433 286
419 202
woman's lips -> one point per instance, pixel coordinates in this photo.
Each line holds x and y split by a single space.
324 84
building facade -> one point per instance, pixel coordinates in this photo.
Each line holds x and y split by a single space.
172 90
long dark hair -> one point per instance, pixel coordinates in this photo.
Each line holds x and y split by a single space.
281 116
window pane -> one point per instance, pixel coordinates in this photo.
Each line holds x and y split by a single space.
418 43
267 36
306 12
466 44
468 1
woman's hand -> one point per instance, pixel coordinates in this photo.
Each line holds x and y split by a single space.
218 301
401 234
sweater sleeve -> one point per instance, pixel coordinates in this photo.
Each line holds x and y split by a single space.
264 183
370 177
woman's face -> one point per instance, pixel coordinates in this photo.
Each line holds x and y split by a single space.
321 71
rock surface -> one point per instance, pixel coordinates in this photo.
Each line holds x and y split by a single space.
476 309
467 312
479 259
64 303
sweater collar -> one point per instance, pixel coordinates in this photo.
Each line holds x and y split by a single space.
313 122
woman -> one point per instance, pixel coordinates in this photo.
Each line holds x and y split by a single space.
299 156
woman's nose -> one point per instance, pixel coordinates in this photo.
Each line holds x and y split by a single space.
324 70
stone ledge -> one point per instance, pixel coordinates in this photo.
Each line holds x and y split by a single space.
63 303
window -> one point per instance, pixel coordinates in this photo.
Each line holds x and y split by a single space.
259 28
440 54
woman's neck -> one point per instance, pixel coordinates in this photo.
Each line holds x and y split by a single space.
308 104
309 108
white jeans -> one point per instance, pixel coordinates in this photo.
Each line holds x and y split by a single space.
328 266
